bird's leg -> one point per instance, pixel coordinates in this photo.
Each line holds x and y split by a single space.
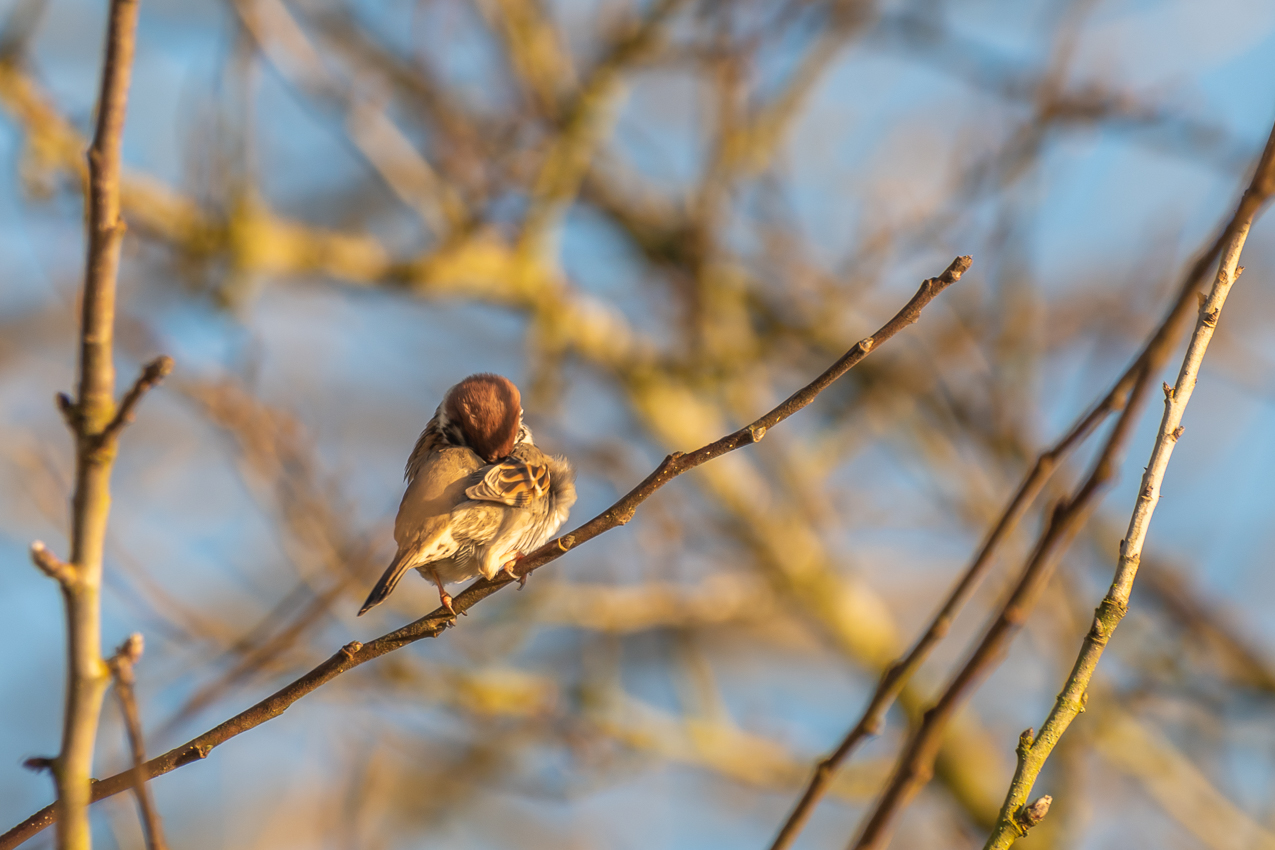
508 569
443 596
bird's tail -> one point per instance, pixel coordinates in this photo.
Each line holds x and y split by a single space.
389 579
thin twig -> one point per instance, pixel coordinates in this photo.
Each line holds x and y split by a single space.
154 372
915 765
51 565
91 418
1033 752
354 654
121 664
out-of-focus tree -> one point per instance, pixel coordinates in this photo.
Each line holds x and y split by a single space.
660 219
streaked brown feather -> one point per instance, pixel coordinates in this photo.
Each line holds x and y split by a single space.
512 482
431 440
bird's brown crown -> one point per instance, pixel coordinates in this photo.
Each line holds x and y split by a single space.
488 409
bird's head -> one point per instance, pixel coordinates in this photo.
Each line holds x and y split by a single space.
488 411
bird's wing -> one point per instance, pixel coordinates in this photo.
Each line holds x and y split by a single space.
514 482
423 528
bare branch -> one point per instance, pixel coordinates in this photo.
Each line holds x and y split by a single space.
121 664
915 764
94 411
1070 701
896 676
436 622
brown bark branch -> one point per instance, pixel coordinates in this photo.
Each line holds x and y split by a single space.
90 416
915 764
897 675
1032 754
121 664
354 654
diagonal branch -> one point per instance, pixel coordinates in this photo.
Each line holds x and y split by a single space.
354 654
896 676
1034 751
915 764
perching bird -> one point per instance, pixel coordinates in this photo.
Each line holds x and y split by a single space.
480 495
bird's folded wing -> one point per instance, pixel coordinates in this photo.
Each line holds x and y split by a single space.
512 482
424 520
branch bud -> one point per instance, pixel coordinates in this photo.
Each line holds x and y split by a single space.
1029 816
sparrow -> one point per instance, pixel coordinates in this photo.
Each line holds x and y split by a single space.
480 494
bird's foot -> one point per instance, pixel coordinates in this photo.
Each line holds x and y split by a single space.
508 569
445 598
